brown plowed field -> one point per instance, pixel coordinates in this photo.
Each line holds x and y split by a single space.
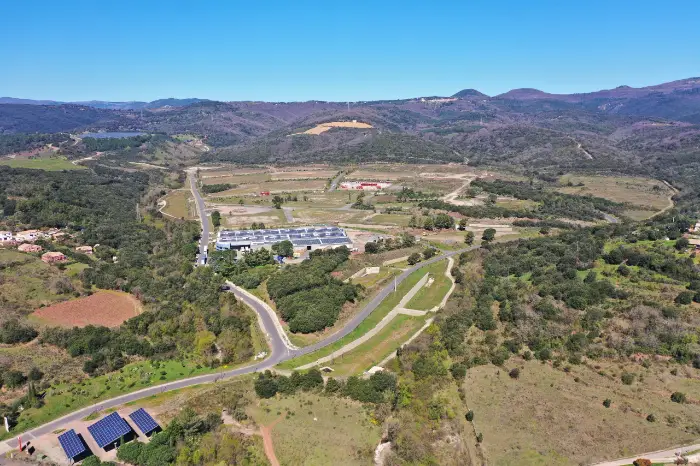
108 308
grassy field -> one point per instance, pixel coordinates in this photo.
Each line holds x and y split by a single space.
429 297
561 418
44 163
389 219
650 194
65 397
374 350
254 188
371 321
26 283
311 429
180 204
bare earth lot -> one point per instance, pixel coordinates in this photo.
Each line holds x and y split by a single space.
108 308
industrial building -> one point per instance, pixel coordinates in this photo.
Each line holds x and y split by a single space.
306 238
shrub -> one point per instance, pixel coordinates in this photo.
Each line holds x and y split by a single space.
607 402
678 397
684 297
458 370
514 373
642 462
627 378
469 416
651 418
479 437
130 452
414 258
266 385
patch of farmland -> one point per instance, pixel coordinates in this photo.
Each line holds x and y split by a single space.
276 187
643 192
107 308
303 175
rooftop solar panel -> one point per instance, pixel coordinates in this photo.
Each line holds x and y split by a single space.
109 429
144 421
72 444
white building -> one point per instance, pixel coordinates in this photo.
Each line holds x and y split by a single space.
309 238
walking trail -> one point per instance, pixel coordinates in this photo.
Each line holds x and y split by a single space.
399 309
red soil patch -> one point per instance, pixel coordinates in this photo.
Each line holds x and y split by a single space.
108 308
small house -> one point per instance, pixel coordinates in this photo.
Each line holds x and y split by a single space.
28 236
84 249
6 236
28 247
694 243
53 257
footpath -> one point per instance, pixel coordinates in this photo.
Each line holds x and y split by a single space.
400 308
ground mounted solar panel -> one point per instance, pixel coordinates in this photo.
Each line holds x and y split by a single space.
72 444
144 421
109 429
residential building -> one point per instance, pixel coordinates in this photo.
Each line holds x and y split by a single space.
28 247
53 257
28 236
84 249
6 236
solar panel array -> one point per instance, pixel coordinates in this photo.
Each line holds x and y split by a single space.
144 421
72 444
302 236
109 429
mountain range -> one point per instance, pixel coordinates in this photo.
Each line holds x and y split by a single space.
646 130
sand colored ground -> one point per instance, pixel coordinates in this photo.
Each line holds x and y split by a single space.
108 308
323 127
275 187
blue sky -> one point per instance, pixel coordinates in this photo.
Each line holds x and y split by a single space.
360 50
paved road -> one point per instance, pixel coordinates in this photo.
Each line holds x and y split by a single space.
278 349
204 241
336 180
661 456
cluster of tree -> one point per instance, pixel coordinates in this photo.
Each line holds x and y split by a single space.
659 259
113 144
250 271
217 188
360 203
189 440
551 223
404 240
409 194
154 264
216 219
378 388
552 202
12 332
416 257
307 296
440 221
11 143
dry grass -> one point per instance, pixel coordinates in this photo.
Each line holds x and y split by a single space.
179 204
644 192
275 187
321 431
562 421
303 175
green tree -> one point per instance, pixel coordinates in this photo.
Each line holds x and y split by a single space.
371 247
684 297
277 201
216 218
469 238
414 258
283 248
488 235
682 244
678 397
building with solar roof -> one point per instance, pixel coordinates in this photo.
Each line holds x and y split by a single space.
303 238
73 446
109 430
144 422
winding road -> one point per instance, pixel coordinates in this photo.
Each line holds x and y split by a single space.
280 348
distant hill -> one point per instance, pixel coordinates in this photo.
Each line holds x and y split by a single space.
132 105
645 130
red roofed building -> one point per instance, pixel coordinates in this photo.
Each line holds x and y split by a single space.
53 257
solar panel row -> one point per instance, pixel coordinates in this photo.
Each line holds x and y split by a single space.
109 429
143 421
72 444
